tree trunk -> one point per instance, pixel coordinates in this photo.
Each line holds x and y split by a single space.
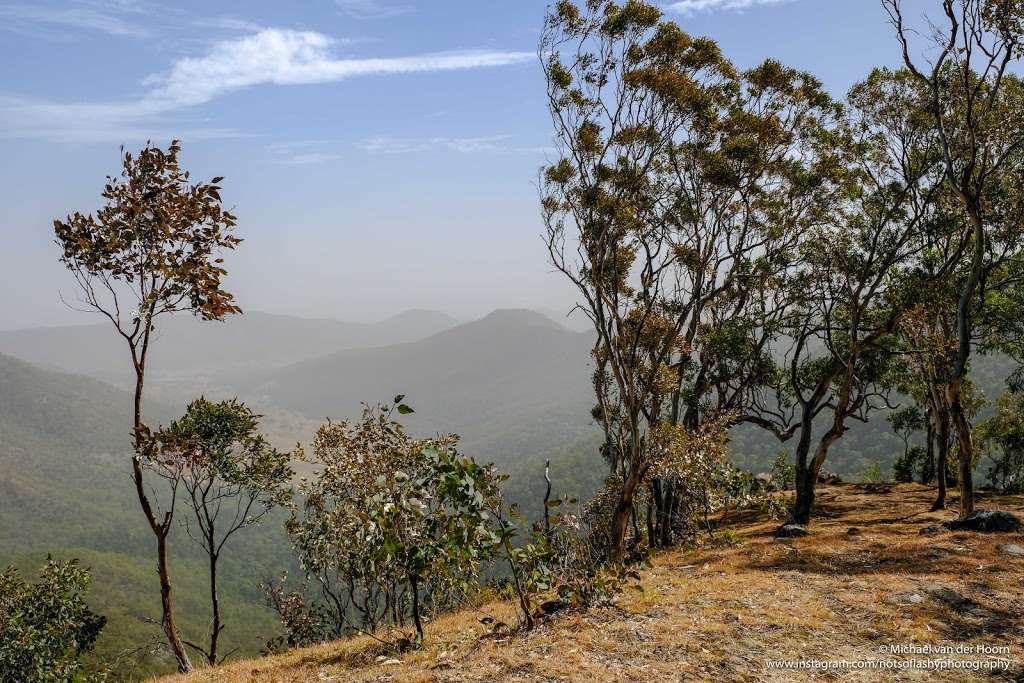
963 353
669 508
167 603
215 601
943 465
928 466
966 456
161 529
806 481
620 519
414 583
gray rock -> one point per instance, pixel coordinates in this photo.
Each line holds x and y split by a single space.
986 520
904 599
765 482
790 531
947 596
1012 549
933 529
854 531
829 478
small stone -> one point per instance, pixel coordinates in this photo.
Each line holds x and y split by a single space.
1012 549
390 662
854 531
933 529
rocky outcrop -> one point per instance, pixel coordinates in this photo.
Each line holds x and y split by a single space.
986 520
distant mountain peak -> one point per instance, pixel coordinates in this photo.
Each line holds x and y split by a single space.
518 317
421 315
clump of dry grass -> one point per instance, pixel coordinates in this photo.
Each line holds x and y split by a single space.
719 614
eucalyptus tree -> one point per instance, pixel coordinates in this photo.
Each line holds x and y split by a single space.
976 104
230 478
681 189
855 281
152 250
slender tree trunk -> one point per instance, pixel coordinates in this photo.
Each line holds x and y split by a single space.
624 506
654 515
414 582
928 466
215 602
963 353
161 529
963 436
943 464
167 603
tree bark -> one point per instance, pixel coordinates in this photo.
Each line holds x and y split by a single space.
621 518
215 602
414 583
928 466
963 436
161 529
942 468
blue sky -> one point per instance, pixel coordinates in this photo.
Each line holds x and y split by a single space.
380 154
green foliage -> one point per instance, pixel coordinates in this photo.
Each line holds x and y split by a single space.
560 555
908 466
872 474
45 627
388 520
231 476
1001 437
220 452
783 471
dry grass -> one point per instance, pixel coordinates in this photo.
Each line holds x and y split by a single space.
719 614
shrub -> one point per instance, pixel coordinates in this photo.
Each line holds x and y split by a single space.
46 626
387 521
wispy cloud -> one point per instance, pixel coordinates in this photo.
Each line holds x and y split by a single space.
695 6
372 9
284 57
98 122
269 57
308 159
303 152
387 145
106 17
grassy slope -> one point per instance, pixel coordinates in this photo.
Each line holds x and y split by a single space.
718 614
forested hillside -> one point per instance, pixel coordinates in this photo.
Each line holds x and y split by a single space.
65 491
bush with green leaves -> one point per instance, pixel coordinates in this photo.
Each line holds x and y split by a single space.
784 471
690 481
45 627
1001 438
391 527
909 466
561 558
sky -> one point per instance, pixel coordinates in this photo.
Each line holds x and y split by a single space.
381 155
